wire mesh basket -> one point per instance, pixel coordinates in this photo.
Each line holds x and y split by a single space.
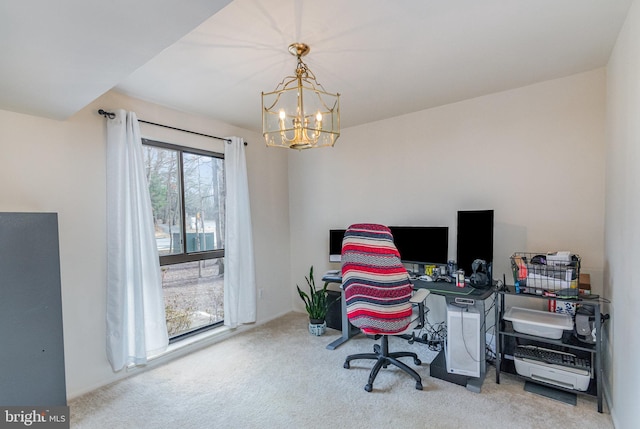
539 272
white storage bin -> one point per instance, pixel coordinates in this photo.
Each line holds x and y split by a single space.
539 323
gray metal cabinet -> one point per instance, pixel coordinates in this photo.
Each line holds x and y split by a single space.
31 342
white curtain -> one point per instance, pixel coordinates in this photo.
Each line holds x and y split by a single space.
239 275
136 325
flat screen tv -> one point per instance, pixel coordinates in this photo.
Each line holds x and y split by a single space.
422 244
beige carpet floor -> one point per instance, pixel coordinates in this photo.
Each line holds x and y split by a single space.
279 376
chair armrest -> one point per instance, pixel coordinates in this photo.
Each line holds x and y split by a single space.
419 295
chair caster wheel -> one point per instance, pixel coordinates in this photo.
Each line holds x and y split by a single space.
417 361
418 385
346 365
368 388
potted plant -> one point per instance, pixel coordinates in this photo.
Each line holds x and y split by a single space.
316 305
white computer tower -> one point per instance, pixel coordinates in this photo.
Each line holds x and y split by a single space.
462 350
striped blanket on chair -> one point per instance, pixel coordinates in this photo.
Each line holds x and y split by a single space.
376 284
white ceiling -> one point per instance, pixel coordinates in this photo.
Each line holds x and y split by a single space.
385 57
60 55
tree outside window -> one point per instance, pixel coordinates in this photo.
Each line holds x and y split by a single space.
187 197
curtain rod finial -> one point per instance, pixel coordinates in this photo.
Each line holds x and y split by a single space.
106 114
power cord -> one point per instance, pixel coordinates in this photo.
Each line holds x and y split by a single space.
433 334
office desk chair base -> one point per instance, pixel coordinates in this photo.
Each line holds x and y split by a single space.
384 358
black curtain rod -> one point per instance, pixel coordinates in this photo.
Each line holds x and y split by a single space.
111 115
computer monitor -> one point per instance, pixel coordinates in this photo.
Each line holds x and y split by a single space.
335 244
422 244
475 239
416 244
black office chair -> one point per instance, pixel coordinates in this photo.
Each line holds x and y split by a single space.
378 295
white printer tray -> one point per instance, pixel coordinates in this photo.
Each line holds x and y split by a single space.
557 375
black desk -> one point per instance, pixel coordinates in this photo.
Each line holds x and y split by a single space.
450 291
473 297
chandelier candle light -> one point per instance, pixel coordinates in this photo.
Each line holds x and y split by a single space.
299 113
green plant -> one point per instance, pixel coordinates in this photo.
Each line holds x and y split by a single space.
316 301
178 317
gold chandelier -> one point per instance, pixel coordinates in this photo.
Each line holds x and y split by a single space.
299 113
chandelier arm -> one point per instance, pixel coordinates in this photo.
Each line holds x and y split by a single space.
268 109
284 83
301 131
328 109
309 75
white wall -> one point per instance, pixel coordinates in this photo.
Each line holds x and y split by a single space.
535 155
622 227
59 167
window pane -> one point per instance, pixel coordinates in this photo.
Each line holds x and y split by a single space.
187 195
163 177
193 295
204 202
